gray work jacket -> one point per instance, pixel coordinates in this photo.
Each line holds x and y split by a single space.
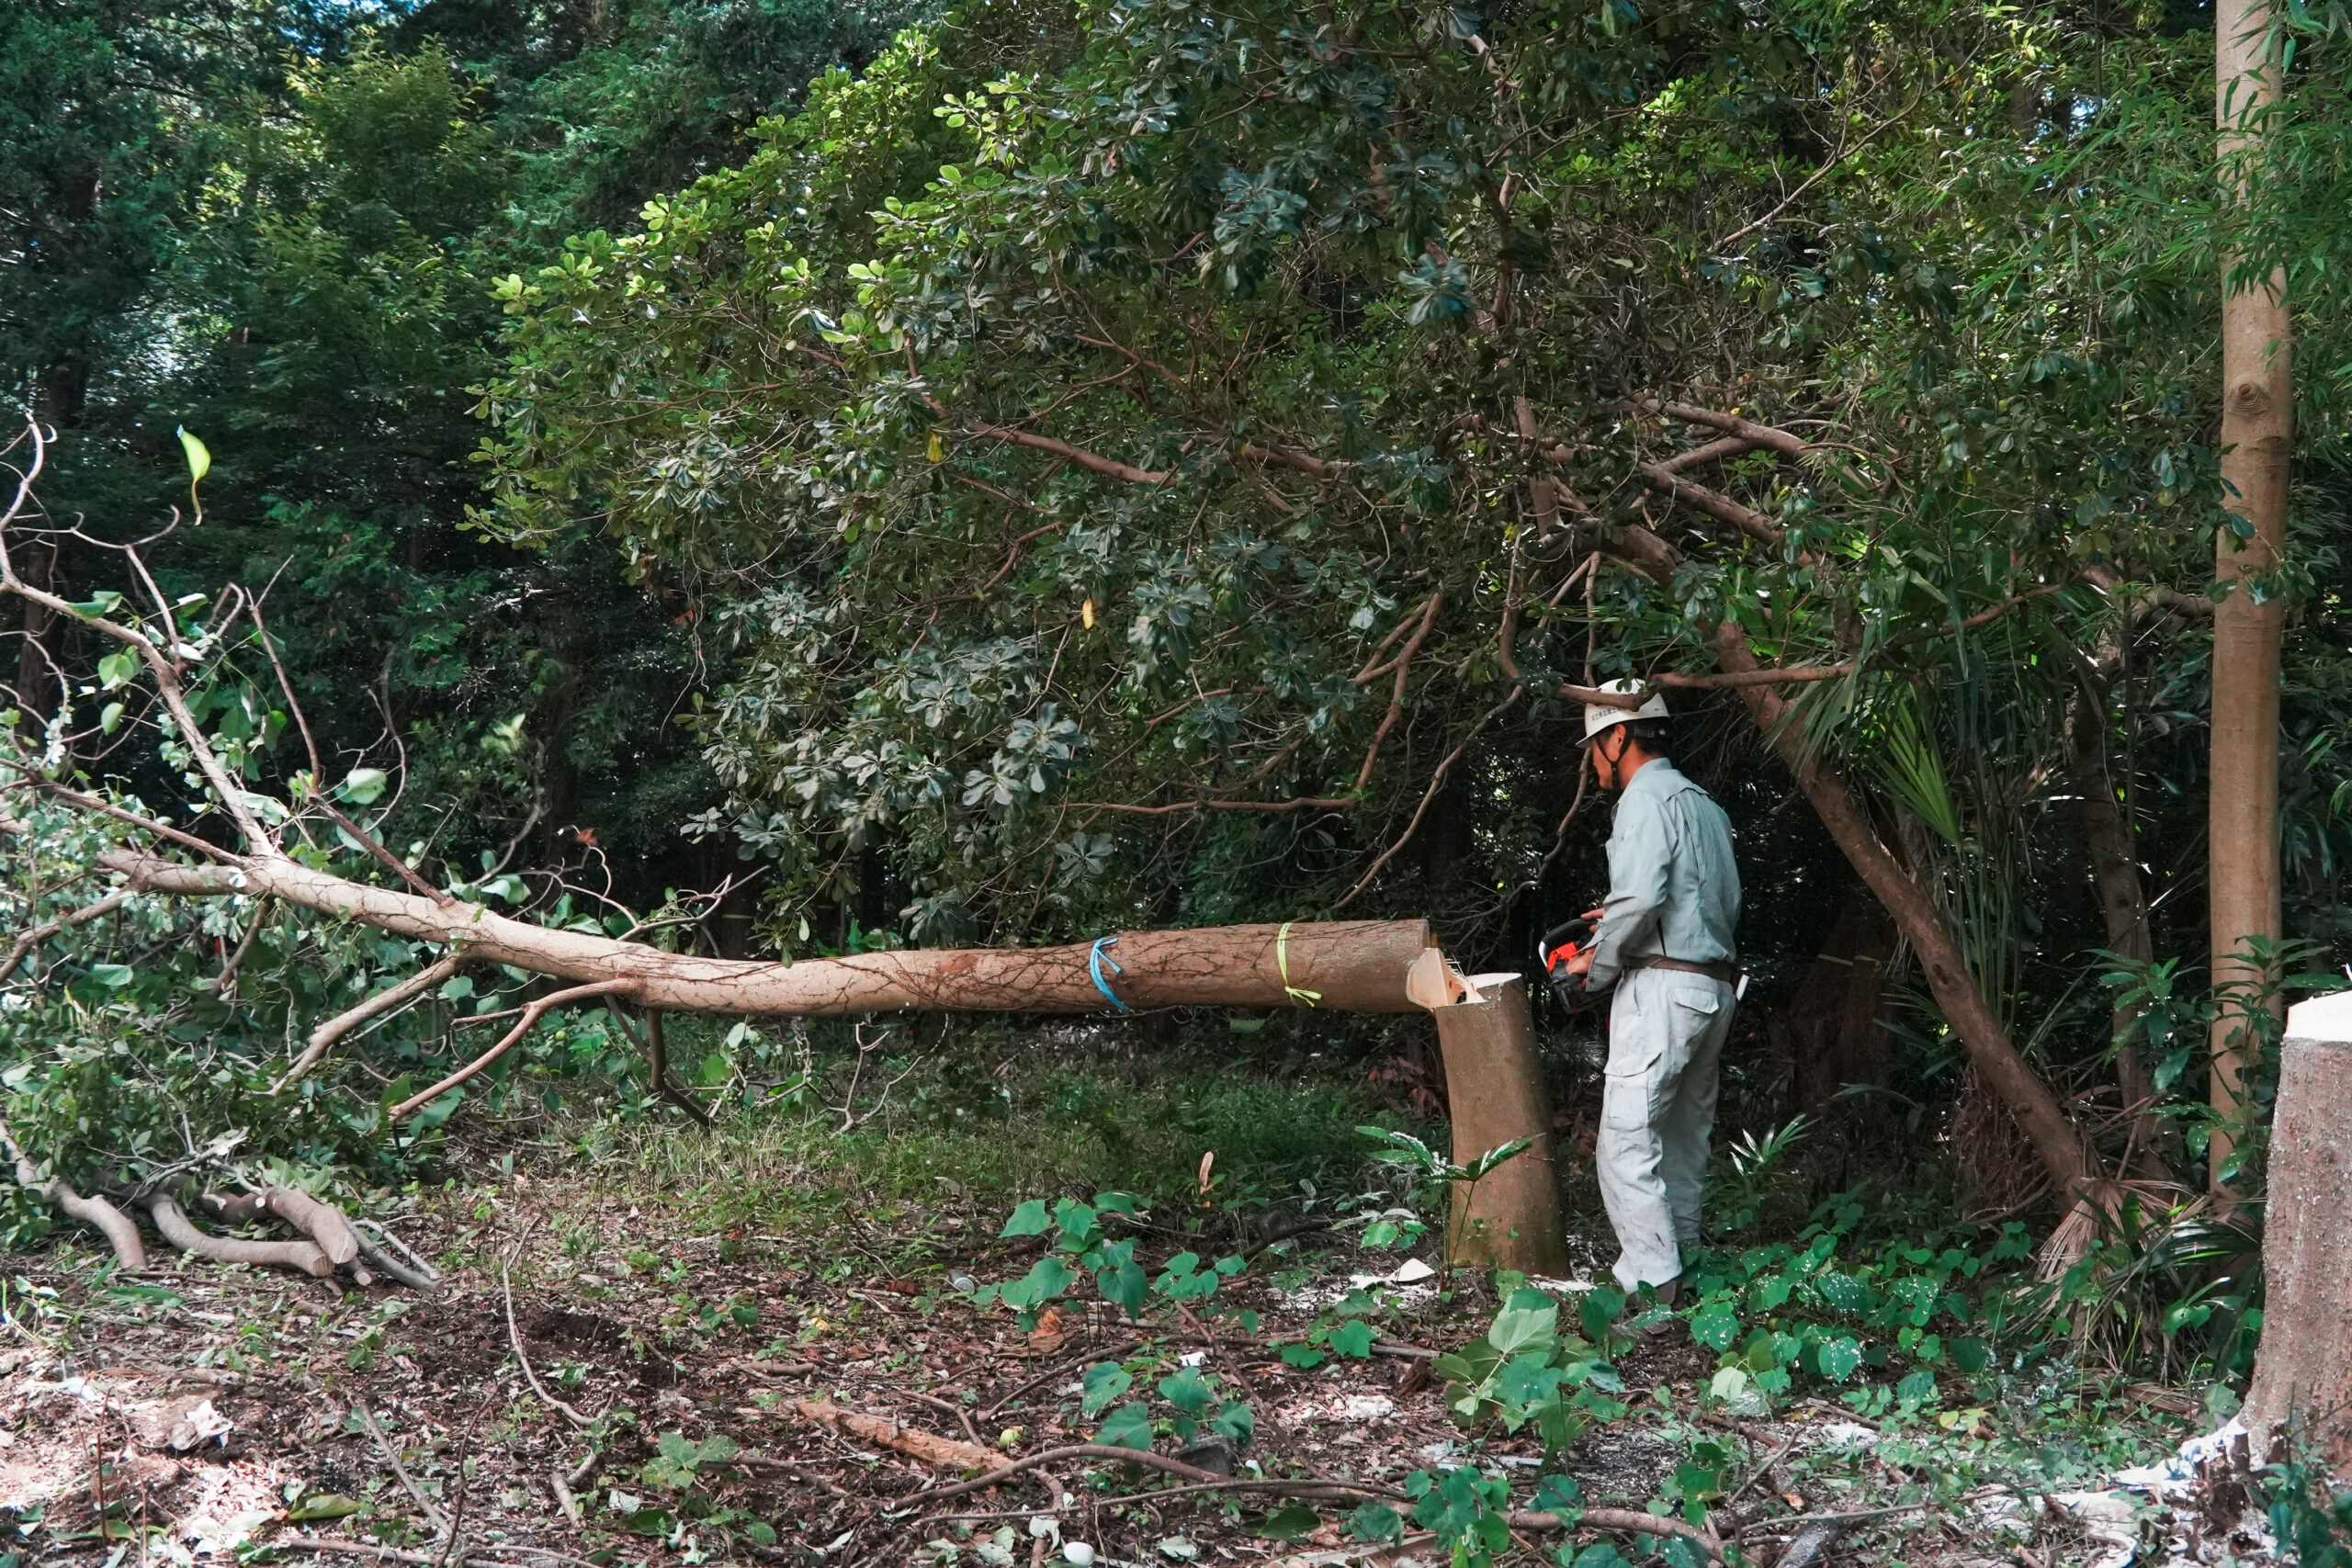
1673 887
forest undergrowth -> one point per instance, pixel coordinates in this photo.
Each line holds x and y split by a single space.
787 1338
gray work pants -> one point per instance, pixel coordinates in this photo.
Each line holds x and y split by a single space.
1666 1041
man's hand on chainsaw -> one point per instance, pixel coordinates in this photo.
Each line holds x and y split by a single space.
1579 961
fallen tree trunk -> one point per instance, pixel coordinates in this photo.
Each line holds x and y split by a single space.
322 1222
1344 965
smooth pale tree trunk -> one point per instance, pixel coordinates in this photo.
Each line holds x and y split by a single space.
2302 1380
1494 1088
2257 414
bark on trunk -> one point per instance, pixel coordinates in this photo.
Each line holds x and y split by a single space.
1345 965
2258 415
40 671
2302 1378
1495 1087
1834 1017
2115 874
2029 1100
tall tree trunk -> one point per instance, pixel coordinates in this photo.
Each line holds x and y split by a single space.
1834 1016
2038 1112
2257 414
2115 874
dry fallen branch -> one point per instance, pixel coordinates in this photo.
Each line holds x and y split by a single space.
948 1453
387 1254
514 1337
1622 1521
121 1231
432 1510
181 1232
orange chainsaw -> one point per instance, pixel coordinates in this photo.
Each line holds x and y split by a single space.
1561 943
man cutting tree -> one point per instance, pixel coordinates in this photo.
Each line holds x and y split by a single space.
1665 940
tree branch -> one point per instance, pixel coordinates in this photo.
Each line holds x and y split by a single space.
1715 504
531 1015
1396 692
41 934
1090 461
324 1037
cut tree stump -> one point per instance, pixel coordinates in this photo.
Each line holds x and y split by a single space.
2302 1378
1493 1086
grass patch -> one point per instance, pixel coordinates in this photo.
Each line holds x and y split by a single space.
958 1136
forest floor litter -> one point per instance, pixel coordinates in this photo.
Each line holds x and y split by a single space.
773 1398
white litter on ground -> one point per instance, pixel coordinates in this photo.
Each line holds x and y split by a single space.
1848 1434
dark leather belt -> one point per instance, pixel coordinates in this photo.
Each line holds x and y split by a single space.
1727 973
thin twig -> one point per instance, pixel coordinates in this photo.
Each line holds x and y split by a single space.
433 1514
514 1337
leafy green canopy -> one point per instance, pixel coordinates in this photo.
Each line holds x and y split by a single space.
1136 457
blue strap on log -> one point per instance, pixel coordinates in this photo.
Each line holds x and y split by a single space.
1095 959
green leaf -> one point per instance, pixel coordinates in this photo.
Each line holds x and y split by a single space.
364 787
1029 1219
1048 1278
1128 1427
113 977
1526 1323
1302 1356
1559 1494
1124 1286
1290 1523
199 459
1187 1390
1104 1382
323 1506
1375 1522
1075 1220
1715 1325
1352 1338
1838 1357
1235 1420
118 669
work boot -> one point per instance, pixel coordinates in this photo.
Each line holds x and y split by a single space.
1664 1296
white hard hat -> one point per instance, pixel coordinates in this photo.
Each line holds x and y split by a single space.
1599 717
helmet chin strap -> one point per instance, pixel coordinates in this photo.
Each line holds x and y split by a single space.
1616 758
